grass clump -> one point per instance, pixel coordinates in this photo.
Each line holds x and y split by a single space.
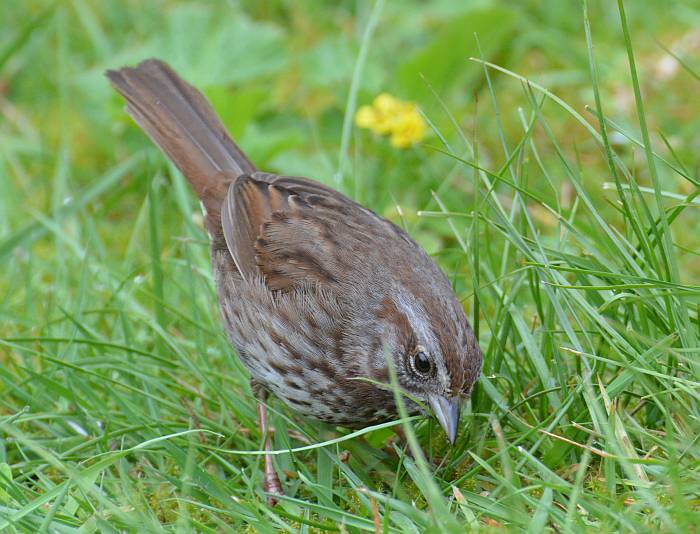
557 186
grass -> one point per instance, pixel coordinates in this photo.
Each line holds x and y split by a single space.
558 189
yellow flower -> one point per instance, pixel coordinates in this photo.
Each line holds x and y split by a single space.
365 117
387 104
386 108
408 129
390 116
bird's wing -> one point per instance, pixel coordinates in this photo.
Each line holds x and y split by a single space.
293 230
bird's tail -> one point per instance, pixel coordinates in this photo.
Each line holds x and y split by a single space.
180 120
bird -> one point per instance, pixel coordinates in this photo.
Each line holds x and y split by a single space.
318 294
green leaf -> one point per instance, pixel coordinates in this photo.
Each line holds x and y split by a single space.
236 108
210 47
442 63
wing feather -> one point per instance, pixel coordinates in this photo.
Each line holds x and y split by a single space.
281 227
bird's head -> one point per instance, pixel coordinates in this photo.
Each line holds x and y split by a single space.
434 351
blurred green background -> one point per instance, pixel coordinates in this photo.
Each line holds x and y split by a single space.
587 414
280 73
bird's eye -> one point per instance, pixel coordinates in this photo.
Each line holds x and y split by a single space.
421 363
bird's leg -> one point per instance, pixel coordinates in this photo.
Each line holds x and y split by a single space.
271 482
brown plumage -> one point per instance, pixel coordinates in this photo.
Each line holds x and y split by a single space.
315 290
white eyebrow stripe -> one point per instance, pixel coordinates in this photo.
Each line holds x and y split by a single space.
421 324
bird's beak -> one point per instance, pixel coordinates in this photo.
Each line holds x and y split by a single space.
446 409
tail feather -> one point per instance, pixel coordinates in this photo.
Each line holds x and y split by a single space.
179 119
